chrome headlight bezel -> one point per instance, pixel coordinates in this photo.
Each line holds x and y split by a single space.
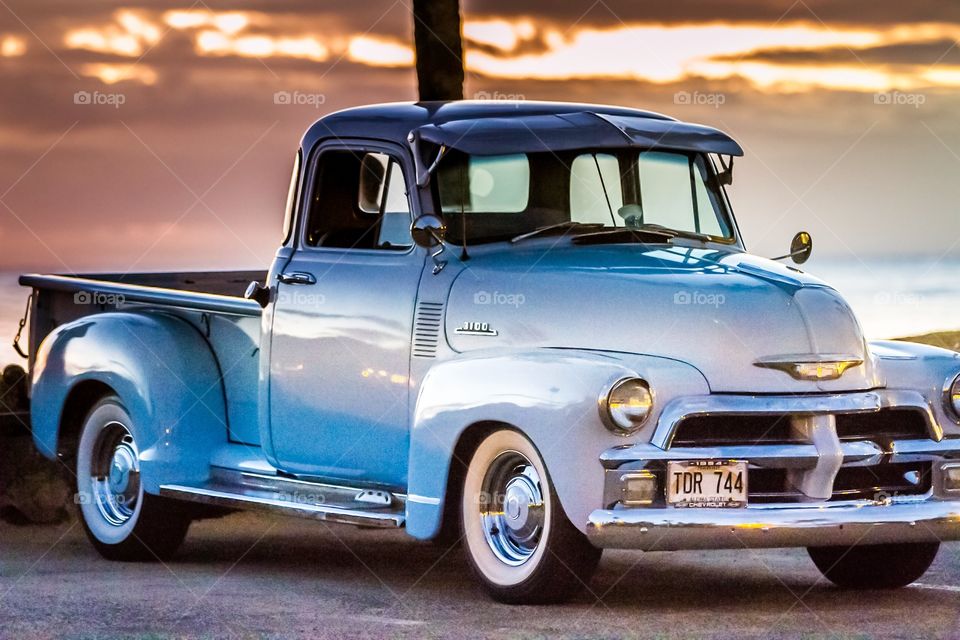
951 397
615 416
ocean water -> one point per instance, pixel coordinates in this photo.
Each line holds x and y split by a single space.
892 298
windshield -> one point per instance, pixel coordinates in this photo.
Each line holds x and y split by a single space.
508 195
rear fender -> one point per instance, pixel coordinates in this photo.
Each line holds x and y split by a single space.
164 373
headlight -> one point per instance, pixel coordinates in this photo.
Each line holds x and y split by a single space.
952 399
626 406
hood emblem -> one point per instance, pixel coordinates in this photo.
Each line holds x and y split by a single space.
811 367
476 329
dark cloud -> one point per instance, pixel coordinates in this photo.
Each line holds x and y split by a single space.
613 12
942 52
48 18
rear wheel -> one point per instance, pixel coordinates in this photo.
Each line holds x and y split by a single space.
877 566
121 521
519 541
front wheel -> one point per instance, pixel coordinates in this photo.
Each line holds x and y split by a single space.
875 566
519 541
121 521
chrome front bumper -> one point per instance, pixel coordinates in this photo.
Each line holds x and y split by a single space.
809 520
793 525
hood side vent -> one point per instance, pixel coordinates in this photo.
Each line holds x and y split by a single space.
426 329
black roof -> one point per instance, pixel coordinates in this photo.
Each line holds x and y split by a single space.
494 126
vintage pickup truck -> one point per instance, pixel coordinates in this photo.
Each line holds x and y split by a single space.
533 327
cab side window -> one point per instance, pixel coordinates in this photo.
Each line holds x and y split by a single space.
359 201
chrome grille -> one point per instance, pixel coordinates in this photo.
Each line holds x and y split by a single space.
873 482
751 429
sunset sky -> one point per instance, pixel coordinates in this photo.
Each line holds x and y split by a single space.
145 135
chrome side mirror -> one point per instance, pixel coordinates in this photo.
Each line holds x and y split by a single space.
800 248
258 293
428 230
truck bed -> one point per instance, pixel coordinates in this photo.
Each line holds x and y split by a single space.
210 300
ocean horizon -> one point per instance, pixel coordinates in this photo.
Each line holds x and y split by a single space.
892 298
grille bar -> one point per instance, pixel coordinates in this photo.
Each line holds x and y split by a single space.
719 430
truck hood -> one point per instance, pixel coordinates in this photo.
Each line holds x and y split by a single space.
720 311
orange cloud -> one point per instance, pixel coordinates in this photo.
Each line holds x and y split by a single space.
640 51
113 73
379 52
12 47
129 36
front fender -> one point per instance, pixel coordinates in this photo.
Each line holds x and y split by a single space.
550 395
919 367
164 372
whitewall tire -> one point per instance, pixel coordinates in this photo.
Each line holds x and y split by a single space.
120 519
518 540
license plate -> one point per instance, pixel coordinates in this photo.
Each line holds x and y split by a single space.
715 484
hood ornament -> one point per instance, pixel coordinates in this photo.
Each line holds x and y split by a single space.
811 367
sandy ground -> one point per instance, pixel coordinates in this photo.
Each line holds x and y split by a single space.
251 576
945 339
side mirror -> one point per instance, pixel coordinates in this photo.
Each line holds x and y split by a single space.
428 230
258 293
801 247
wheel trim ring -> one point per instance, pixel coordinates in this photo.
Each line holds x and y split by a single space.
489 566
115 474
515 487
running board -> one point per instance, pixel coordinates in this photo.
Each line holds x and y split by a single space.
287 496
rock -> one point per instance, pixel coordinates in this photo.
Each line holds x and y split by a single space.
33 490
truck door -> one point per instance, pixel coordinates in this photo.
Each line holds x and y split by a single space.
342 321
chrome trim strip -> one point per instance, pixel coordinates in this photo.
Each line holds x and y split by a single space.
776 525
226 497
778 456
412 497
146 295
859 402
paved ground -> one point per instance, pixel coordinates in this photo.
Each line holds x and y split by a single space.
257 577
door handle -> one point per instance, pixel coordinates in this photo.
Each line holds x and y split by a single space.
297 277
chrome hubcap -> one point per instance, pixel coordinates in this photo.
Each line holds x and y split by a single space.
512 508
115 474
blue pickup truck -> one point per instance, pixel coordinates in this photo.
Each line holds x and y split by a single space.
530 327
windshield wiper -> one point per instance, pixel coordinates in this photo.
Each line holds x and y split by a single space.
560 226
624 234
649 233
674 233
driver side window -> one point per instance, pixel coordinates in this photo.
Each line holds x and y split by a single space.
359 201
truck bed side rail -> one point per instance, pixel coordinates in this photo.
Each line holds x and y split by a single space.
141 294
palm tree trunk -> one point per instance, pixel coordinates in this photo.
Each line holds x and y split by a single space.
439 46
